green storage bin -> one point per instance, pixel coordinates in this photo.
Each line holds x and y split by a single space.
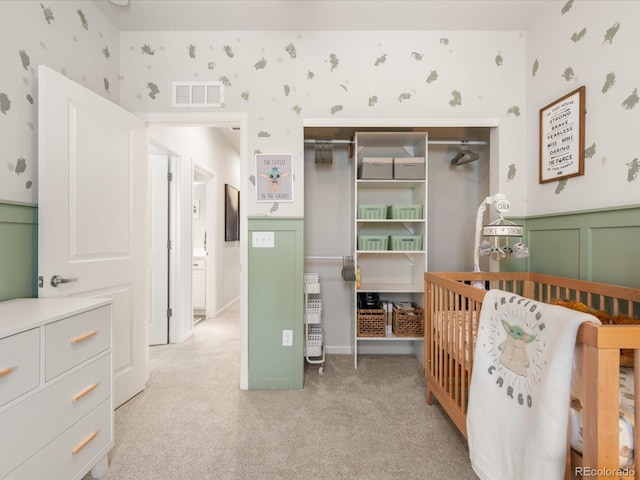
372 212
407 212
373 242
406 242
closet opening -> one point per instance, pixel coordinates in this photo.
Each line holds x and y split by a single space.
448 196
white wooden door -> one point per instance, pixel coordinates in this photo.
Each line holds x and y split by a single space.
92 214
159 252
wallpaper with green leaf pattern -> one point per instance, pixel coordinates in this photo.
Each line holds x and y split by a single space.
73 38
594 44
281 78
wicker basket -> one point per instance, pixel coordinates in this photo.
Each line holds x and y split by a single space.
408 323
371 322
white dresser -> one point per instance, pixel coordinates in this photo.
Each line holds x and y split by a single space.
56 409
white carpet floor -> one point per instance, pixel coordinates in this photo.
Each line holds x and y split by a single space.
193 422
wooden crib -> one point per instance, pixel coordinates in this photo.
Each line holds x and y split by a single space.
452 310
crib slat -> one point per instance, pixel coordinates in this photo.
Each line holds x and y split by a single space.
600 440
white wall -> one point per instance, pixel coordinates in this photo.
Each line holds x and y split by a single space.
454 196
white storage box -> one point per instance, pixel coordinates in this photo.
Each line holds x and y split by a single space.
409 168
376 168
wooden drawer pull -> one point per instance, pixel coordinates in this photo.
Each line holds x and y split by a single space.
84 443
81 394
84 336
5 371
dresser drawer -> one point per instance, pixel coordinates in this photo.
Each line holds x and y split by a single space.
75 339
69 453
68 400
19 364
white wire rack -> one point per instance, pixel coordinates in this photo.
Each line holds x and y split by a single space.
313 334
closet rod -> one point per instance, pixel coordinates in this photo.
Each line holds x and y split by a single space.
327 141
430 142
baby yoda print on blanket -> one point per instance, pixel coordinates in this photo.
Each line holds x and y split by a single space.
518 410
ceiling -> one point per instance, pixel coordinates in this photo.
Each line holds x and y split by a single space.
304 15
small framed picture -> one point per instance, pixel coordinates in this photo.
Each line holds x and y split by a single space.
562 137
274 177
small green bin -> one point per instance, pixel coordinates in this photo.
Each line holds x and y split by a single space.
373 242
406 242
407 212
372 212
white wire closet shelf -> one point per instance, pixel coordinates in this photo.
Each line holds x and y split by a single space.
314 351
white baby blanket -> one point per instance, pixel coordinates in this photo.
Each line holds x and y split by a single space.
518 410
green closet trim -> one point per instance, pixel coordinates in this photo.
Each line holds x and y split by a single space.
598 245
18 250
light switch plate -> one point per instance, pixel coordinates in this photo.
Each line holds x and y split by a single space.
263 240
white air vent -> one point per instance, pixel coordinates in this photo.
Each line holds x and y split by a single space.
198 94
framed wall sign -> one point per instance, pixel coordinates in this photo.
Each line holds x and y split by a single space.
562 137
274 177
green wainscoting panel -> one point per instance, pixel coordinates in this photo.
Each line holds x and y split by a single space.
559 251
599 245
18 251
615 255
276 302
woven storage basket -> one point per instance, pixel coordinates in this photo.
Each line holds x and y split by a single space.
371 322
408 323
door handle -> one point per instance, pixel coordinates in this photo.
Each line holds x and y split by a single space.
57 280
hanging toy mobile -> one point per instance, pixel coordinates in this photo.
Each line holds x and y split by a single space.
497 230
